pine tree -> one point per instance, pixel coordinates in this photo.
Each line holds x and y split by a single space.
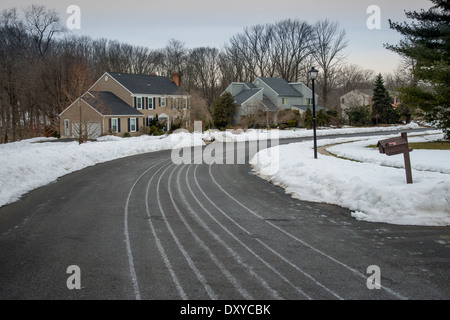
223 110
427 41
382 110
308 119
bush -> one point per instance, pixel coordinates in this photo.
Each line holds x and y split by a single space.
126 135
291 123
155 131
359 116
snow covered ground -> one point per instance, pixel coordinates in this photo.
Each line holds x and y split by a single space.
261 134
374 189
32 163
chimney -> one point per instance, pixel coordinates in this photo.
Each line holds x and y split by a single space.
176 78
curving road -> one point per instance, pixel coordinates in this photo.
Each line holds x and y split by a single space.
143 228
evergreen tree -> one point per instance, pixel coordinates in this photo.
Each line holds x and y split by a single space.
382 110
308 119
223 110
427 41
322 118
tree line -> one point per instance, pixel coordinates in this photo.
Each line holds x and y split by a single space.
44 68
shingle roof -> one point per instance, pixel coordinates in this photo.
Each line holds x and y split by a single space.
108 104
244 95
304 108
281 87
268 104
147 84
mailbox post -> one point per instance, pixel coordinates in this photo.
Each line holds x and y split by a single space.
395 146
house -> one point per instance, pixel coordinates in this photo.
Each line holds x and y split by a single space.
270 95
119 103
363 97
355 98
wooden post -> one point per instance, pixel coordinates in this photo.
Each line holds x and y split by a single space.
407 161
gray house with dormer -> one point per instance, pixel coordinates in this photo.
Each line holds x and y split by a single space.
270 95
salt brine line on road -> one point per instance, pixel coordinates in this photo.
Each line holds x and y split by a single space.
356 272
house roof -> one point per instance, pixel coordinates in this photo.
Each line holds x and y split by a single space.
147 84
244 95
281 87
108 104
268 104
304 108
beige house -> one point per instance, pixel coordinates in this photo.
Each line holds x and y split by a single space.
118 103
356 98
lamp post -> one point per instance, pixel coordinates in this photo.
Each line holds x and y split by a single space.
313 75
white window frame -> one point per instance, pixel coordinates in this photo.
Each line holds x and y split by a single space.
116 120
185 103
139 103
67 127
162 102
131 124
284 101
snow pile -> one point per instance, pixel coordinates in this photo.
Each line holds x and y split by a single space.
426 160
32 163
264 134
373 192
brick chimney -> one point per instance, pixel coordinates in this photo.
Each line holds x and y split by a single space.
176 78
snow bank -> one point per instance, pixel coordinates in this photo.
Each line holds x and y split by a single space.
426 160
32 163
259 134
373 192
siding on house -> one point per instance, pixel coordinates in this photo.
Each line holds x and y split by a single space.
87 115
108 83
115 95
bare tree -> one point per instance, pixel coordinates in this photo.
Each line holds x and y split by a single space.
292 41
203 72
328 51
175 57
43 24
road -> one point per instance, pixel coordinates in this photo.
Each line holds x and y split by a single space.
142 227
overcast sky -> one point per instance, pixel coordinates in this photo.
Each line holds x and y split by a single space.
213 23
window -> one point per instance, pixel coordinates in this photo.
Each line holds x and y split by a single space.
174 103
284 101
138 102
185 104
67 127
132 124
150 103
162 102
343 100
114 125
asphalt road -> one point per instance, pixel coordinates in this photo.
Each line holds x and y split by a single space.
143 228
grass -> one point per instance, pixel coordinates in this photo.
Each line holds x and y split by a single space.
432 145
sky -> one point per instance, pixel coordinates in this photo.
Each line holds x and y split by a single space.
212 23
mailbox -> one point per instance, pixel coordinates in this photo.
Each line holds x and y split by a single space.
393 146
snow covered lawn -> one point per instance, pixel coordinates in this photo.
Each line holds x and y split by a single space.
32 163
261 134
374 189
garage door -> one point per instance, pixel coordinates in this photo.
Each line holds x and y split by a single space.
93 130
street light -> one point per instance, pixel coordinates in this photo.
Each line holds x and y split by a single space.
313 75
